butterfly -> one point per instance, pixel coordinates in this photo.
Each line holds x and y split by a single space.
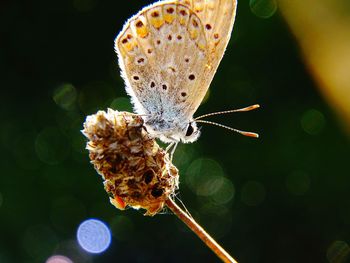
168 54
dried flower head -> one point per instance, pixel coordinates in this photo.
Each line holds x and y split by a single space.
136 171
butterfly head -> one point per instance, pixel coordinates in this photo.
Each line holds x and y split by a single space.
185 134
190 133
170 131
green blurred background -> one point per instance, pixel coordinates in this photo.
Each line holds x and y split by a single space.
281 198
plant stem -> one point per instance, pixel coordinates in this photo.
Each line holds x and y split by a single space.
200 232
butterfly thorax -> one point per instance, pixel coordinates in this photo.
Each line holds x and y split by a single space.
172 130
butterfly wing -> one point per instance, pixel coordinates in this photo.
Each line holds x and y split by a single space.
168 55
217 17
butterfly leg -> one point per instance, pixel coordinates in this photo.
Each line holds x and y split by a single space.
169 147
172 145
173 151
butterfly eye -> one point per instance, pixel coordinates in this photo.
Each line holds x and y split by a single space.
190 130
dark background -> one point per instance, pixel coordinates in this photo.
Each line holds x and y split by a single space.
281 198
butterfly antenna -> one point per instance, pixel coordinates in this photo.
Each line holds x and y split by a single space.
245 133
249 108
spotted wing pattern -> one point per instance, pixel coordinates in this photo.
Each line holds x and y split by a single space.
169 53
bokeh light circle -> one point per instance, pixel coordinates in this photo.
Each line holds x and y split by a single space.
65 96
312 122
263 8
225 193
203 176
338 251
72 250
94 236
58 259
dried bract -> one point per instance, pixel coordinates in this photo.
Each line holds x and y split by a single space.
136 171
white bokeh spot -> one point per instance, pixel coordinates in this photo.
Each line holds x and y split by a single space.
94 236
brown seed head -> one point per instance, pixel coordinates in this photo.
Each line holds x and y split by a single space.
135 170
